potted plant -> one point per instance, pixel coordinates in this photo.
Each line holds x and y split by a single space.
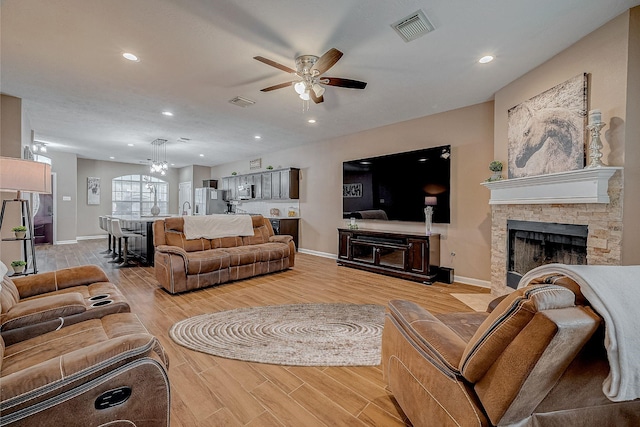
20 231
495 167
18 266
269 167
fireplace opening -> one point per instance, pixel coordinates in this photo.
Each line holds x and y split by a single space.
532 244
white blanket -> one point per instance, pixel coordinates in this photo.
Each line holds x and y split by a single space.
215 226
614 292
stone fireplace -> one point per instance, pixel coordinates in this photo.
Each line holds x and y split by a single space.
589 198
532 243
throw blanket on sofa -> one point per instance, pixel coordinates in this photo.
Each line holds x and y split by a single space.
215 226
614 292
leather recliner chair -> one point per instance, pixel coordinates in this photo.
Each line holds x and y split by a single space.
538 359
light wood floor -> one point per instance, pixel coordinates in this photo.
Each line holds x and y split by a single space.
213 391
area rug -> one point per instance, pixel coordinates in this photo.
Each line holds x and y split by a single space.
295 334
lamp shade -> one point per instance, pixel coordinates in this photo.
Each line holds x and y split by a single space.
24 175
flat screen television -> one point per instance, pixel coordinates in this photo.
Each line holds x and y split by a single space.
398 186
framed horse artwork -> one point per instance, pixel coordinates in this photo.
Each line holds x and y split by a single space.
546 133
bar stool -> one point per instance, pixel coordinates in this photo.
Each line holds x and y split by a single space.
114 253
116 229
103 226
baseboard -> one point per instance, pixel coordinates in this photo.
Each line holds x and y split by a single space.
318 253
93 237
65 242
475 282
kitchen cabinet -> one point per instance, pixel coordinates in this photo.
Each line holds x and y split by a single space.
287 226
281 184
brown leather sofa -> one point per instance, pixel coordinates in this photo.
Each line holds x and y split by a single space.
36 304
183 265
99 372
538 359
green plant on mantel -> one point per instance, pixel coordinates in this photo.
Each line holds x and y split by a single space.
269 167
495 166
234 173
18 263
19 228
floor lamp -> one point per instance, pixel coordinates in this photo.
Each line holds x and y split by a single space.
24 175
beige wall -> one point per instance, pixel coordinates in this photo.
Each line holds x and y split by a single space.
12 125
605 56
88 224
631 203
468 130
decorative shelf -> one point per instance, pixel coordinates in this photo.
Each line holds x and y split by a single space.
589 185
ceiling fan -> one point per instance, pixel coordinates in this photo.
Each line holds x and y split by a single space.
309 70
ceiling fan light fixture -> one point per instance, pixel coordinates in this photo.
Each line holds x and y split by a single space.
318 90
305 96
300 88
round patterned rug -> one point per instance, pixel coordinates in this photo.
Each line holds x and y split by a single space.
296 334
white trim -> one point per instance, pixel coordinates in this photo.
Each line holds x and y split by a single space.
66 242
587 185
93 237
471 281
317 253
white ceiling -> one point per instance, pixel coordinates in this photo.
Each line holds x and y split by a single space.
63 58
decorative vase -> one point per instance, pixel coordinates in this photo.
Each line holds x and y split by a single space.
20 234
155 209
496 176
18 269
428 219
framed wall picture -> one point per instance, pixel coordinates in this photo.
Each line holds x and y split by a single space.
546 133
352 190
93 190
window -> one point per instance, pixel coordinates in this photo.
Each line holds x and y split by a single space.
133 195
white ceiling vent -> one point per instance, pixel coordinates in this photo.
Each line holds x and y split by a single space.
241 102
413 26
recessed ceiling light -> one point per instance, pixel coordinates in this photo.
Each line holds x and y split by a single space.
130 57
311 121
201 155
130 145
111 157
485 59
257 137
167 113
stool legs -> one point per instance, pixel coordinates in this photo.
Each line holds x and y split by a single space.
125 255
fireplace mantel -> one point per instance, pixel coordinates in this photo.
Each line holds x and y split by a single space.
589 185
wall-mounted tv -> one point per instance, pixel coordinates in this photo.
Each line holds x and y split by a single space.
398 186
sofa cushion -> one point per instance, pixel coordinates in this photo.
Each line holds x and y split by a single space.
9 295
38 310
505 322
207 261
273 251
260 235
226 242
243 255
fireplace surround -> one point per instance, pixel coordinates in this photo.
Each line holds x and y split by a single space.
591 198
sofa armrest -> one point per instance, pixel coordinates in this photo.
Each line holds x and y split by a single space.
42 309
76 367
42 283
281 238
172 250
443 346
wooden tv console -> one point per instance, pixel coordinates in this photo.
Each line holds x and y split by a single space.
410 256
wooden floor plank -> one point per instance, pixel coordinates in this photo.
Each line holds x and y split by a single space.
212 391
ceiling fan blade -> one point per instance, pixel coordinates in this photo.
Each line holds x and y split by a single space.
316 99
274 87
327 60
337 81
275 64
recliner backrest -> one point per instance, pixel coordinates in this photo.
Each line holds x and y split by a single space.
9 295
505 322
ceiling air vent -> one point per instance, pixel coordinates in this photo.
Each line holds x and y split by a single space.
413 26
241 102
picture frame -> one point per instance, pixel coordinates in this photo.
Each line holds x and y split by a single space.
255 164
93 190
546 133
